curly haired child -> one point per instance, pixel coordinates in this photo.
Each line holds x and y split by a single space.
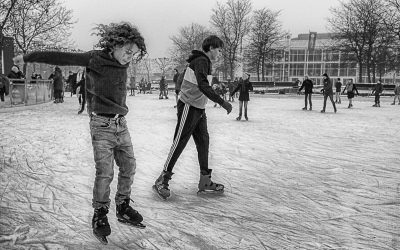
106 76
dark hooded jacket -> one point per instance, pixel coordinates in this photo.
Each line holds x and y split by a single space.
196 88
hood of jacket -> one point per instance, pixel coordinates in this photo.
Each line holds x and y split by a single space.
196 54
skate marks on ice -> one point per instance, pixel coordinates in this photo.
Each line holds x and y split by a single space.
292 180
40 189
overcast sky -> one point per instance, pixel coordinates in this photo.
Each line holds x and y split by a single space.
158 20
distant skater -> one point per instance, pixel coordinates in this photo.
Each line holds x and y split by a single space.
192 118
308 90
377 91
328 92
162 86
338 87
396 94
244 87
351 89
106 76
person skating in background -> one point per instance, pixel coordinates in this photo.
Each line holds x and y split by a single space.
58 85
377 91
328 92
396 94
163 92
4 87
231 87
243 87
351 90
121 43
338 87
132 85
81 92
308 90
192 119
216 87
72 82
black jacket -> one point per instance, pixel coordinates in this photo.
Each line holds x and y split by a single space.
307 85
244 86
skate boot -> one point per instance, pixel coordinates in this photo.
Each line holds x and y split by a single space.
101 228
127 215
161 185
238 118
207 186
393 103
375 105
310 108
245 117
305 108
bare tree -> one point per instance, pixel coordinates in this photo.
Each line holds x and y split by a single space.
143 68
361 32
163 64
6 7
39 22
189 38
266 33
232 22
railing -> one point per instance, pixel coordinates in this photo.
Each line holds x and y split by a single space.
28 92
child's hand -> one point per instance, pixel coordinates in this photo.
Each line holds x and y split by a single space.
19 60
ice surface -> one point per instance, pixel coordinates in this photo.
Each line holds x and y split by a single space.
294 179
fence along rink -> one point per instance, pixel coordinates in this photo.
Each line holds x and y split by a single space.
23 92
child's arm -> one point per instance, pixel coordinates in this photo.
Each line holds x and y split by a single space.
55 58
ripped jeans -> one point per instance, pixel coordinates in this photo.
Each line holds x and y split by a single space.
111 141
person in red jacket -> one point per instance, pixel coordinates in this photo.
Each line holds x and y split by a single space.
106 76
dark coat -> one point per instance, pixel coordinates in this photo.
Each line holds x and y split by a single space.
4 84
244 87
328 86
57 80
378 89
307 85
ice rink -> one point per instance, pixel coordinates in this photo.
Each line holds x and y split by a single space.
294 179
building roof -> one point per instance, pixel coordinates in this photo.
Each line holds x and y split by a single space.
323 40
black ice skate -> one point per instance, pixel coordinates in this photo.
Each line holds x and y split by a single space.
127 215
206 186
161 185
101 228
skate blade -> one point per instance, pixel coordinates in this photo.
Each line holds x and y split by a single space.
210 192
138 225
156 191
103 239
